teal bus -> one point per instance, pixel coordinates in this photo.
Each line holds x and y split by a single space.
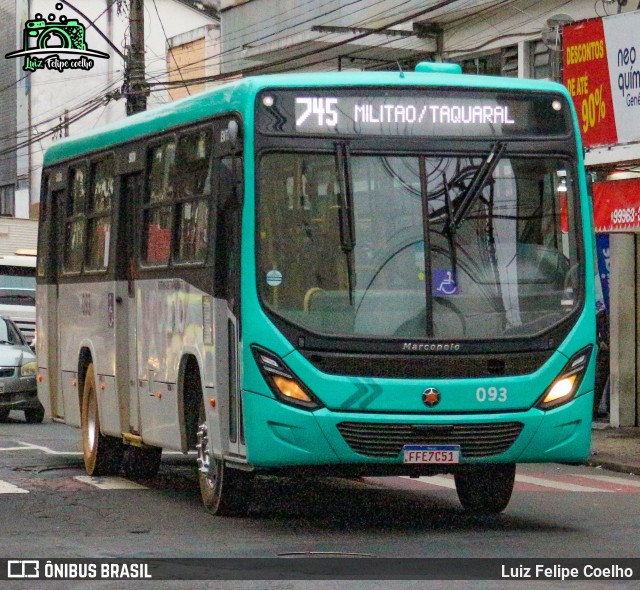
346 274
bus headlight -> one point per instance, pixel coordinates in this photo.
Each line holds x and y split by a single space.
28 369
285 385
566 384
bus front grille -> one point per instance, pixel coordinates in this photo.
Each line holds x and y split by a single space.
386 440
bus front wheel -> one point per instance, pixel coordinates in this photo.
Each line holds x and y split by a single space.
225 491
486 488
102 454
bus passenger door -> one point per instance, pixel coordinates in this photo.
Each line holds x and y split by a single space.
48 342
227 293
126 302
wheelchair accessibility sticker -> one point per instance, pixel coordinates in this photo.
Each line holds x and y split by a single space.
442 283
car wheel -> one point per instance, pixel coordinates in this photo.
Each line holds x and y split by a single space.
102 454
34 415
4 414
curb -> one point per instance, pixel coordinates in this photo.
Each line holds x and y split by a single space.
613 464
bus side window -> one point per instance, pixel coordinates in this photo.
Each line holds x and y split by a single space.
99 214
158 203
75 220
193 190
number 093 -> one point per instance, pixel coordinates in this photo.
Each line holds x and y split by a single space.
491 394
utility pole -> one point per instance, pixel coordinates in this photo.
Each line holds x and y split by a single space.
136 89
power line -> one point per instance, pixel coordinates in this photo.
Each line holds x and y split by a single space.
299 24
169 48
284 61
92 24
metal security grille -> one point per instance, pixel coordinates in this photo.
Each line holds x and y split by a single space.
386 440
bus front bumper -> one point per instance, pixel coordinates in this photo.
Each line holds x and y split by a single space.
279 435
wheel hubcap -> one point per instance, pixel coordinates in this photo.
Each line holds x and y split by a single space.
204 458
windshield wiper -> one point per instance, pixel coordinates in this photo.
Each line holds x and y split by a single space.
478 182
455 217
345 213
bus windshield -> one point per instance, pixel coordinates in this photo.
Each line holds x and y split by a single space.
479 246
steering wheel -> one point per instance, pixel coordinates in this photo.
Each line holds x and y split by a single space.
414 327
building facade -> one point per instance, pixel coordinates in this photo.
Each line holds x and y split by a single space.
40 105
523 38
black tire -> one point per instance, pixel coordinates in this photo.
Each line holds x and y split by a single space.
141 462
34 415
225 491
102 454
486 489
4 414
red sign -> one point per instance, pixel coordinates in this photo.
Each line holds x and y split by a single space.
586 76
616 205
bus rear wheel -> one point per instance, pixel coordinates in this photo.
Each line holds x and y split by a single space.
102 454
141 462
487 488
225 491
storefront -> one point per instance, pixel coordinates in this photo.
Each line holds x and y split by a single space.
601 69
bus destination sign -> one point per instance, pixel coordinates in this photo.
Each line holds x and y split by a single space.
441 114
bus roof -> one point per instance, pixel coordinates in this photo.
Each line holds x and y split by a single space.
238 96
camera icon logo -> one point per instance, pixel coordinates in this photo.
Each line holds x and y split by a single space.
64 34
44 40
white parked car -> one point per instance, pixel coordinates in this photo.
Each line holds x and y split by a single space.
18 368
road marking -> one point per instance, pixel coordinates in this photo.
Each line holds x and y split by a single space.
609 479
558 485
29 447
434 480
9 488
532 483
110 483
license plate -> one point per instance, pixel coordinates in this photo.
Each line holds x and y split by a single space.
431 454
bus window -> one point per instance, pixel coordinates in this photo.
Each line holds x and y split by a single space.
99 217
193 174
76 222
156 242
18 292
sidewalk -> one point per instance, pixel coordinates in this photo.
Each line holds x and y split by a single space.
617 449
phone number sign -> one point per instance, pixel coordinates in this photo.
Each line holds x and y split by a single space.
616 205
